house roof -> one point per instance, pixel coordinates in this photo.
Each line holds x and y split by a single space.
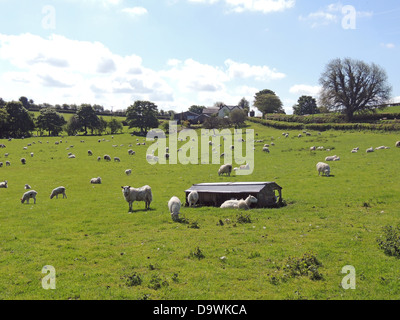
233 187
210 110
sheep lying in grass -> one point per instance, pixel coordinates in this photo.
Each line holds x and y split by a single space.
137 194
242 167
174 205
323 168
193 197
57 191
95 180
369 150
4 185
332 158
225 169
239 204
29 195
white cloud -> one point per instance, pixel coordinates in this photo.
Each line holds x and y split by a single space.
264 6
60 70
135 11
331 14
303 89
388 45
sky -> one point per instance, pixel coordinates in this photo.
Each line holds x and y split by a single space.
179 53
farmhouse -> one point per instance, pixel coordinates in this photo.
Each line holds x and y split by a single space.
268 194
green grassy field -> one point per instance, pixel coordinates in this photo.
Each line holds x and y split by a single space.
100 251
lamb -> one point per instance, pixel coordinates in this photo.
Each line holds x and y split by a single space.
226 168
244 204
95 180
137 194
193 197
57 191
332 158
128 172
174 205
29 195
4 185
323 168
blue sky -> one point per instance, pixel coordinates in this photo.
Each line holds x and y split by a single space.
178 53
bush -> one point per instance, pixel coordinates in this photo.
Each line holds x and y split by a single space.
389 242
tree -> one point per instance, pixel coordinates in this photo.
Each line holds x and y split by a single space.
353 86
19 121
143 115
305 105
73 125
3 123
50 121
88 118
268 102
197 109
115 126
237 117
212 122
245 105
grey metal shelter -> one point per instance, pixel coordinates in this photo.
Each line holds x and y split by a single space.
214 194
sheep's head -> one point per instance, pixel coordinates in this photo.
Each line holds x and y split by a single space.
252 199
125 190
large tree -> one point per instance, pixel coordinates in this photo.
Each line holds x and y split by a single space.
19 121
88 118
50 121
266 101
142 115
305 105
238 117
352 86
197 109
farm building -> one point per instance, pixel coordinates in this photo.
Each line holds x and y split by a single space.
268 194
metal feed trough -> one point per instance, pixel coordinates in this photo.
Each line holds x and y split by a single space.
214 194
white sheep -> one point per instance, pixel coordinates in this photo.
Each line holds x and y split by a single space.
117 159
72 156
57 191
331 158
242 167
193 197
27 187
4 185
98 158
128 172
174 205
323 168
8 163
137 194
225 169
90 153
234 203
29 195
95 180
369 150
32 154
131 152
265 149
107 157
397 144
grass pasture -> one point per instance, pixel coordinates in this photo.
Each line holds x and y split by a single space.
100 251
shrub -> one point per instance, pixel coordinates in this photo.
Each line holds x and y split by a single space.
389 242
307 265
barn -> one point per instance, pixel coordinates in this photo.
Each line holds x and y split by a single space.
268 194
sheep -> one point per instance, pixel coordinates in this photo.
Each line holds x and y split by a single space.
27 187
332 158
243 167
1 164
131 152
29 195
150 157
90 153
23 160
397 144
226 168
72 156
265 149
244 204
57 191
192 198
174 205
313 148
128 172
369 150
95 180
117 159
4 185
32 154
137 194
107 157
98 158
8 163
323 168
